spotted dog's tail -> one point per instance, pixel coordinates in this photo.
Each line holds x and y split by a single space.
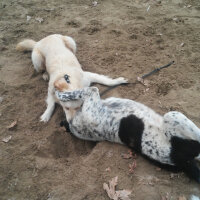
26 45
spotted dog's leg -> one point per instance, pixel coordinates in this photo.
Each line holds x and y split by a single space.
90 77
177 124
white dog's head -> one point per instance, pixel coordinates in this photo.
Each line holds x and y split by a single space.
68 82
64 84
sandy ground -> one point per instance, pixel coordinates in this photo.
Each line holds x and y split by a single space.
116 38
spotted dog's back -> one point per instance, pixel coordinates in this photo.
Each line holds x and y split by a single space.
172 139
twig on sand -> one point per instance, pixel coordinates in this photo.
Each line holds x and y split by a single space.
139 79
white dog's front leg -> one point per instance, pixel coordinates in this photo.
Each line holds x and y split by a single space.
50 108
97 78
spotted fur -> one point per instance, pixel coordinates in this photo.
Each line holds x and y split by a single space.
171 139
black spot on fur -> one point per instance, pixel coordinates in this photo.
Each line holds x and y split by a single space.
114 105
150 151
183 153
191 129
130 131
176 123
111 121
157 153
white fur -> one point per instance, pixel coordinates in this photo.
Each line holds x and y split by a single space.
193 197
56 55
99 120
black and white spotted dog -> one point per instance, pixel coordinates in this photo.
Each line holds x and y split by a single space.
171 139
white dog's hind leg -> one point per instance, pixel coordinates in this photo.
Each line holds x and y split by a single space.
69 43
50 108
38 60
90 77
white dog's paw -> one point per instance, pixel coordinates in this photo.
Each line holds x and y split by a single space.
121 80
45 76
45 117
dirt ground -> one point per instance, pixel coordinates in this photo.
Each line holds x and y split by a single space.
117 38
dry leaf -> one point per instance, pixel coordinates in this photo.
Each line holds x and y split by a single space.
182 198
144 82
140 79
123 194
12 125
7 139
111 188
116 195
132 166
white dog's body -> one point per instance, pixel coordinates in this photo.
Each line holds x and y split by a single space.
56 55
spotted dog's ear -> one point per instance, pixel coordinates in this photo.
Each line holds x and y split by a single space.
61 85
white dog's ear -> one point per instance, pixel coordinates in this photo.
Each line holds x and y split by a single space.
69 43
61 85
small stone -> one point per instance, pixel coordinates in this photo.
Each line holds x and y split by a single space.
94 3
7 139
28 18
39 19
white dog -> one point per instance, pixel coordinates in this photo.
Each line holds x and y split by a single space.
56 55
172 140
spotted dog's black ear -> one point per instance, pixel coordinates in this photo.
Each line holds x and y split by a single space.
65 124
66 77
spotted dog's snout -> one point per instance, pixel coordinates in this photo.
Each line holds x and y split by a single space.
63 96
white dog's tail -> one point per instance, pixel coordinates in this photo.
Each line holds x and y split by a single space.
26 45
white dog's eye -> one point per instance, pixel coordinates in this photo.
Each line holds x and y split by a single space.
66 77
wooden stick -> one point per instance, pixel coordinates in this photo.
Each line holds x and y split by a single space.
133 83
